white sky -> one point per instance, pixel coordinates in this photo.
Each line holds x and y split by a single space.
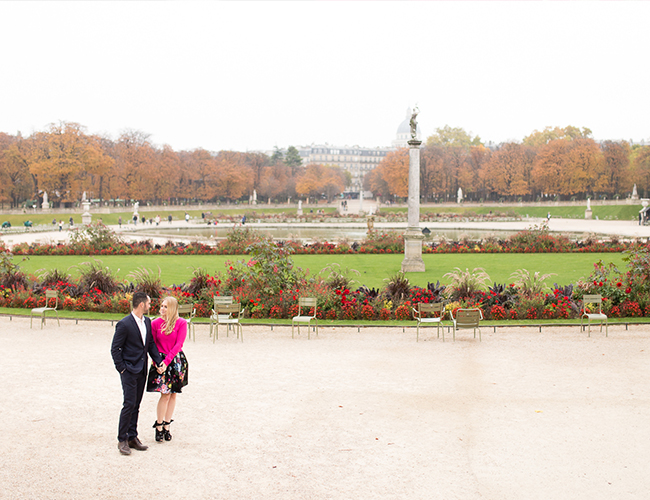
249 75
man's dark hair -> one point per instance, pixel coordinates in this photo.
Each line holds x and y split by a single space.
139 298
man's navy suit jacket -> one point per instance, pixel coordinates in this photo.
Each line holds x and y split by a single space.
127 349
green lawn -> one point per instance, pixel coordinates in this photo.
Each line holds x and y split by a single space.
373 269
176 212
604 212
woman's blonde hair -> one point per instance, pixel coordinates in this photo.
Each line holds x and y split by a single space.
172 314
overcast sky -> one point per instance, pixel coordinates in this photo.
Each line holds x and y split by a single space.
248 75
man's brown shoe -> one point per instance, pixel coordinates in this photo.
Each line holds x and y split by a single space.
135 443
123 446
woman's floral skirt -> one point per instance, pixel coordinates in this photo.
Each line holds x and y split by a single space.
174 378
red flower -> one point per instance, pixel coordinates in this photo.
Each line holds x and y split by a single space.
628 290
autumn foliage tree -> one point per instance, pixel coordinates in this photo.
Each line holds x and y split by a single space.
318 179
65 161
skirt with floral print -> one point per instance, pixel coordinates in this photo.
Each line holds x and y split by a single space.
174 378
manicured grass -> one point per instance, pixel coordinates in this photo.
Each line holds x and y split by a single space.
176 213
603 212
373 269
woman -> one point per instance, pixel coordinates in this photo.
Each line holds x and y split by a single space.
169 332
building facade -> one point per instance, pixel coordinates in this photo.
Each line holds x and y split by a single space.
356 160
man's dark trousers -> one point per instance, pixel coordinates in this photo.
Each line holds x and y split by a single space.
133 389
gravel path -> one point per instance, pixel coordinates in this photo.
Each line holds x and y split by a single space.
346 415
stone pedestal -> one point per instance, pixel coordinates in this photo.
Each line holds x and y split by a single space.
588 214
413 237
413 262
86 216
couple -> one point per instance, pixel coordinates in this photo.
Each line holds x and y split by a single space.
135 336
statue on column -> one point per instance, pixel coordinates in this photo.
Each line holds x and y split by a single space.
414 124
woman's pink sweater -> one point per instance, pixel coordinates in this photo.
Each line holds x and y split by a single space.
170 344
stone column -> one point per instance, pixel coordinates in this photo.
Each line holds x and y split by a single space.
413 236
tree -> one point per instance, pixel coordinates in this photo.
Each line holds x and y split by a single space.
453 137
135 167
15 181
60 159
234 178
508 170
394 170
320 179
615 178
257 162
471 172
276 180
292 159
537 138
277 156
641 169
568 167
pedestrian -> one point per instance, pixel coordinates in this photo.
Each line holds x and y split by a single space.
61 225
71 221
132 341
243 220
169 218
144 219
157 220
119 222
54 222
135 220
169 333
187 217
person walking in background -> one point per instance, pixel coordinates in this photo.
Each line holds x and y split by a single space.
61 225
132 341
119 222
169 333
169 218
187 217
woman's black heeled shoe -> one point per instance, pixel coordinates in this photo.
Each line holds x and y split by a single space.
168 436
160 434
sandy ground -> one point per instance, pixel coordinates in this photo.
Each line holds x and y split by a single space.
346 415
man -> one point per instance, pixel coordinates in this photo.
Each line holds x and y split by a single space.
131 343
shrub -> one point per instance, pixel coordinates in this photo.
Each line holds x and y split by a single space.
11 276
145 281
403 312
397 287
529 284
93 238
465 283
368 312
497 312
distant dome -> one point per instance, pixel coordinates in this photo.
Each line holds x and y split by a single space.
405 126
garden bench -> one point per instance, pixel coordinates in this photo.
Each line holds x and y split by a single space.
593 316
49 294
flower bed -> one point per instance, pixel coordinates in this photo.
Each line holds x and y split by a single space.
98 240
268 285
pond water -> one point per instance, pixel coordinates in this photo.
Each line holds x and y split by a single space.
324 233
